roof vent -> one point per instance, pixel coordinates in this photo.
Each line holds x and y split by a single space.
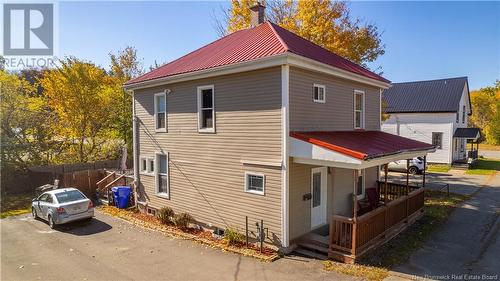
257 14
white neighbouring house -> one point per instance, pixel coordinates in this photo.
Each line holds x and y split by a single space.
434 111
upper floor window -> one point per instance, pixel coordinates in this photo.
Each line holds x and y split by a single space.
206 109
161 112
463 114
437 140
319 93
458 120
359 108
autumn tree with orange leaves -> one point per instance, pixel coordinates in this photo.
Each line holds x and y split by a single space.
324 22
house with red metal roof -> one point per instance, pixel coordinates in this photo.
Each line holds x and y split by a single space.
265 132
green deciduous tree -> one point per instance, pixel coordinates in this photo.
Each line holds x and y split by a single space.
125 65
486 112
82 96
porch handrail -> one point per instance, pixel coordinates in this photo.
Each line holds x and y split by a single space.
356 236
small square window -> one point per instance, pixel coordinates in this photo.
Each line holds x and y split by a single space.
151 165
319 93
143 165
254 183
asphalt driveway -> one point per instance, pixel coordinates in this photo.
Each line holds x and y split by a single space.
112 249
467 246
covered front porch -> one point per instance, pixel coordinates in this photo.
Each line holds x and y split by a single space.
351 207
461 138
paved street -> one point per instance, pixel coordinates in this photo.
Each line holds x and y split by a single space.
468 243
490 153
111 249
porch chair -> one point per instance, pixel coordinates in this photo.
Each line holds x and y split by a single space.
373 197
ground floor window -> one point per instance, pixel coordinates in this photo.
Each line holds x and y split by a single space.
437 140
162 186
254 183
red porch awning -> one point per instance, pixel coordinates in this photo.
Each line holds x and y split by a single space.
363 145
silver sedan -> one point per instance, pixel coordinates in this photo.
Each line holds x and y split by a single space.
62 206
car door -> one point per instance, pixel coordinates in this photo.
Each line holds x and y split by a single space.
42 205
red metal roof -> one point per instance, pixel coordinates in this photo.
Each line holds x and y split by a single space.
362 144
264 40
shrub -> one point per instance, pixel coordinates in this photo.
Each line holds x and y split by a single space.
183 220
166 214
232 236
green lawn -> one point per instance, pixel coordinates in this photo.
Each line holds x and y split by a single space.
15 204
484 167
438 168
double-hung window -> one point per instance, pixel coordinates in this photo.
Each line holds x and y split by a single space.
360 183
162 186
206 109
359 108
319 93
254 183
160 112
437 140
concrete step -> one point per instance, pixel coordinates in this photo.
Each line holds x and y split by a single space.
310 254
314 247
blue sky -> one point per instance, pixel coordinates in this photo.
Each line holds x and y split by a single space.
424 40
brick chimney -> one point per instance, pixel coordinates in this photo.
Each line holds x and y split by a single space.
257 14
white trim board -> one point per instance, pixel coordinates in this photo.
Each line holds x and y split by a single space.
285 131
307 153
272 61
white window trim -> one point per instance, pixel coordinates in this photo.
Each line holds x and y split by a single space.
432 139
150 171
263 183
157 174
362 93
160 130
324 93
141 171
199 89
356 176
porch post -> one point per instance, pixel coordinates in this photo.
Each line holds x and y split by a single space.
355 214
407 176
386 168
423 173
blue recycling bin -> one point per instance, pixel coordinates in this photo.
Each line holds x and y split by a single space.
121 195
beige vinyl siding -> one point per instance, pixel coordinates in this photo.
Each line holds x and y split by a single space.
338 111
206 170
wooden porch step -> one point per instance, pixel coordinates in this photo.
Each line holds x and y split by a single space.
313 238
310 254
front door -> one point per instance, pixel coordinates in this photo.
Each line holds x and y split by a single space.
318 192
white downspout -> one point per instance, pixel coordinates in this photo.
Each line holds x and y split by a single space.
135 145
285 125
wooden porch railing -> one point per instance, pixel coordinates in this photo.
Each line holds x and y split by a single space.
115 178
353 237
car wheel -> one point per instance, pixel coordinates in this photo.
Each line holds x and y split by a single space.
51 222
33 213
413 170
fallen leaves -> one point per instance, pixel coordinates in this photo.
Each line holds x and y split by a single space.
195 234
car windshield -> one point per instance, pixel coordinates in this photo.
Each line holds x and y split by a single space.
68 196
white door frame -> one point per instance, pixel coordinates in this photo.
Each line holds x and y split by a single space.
318 213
